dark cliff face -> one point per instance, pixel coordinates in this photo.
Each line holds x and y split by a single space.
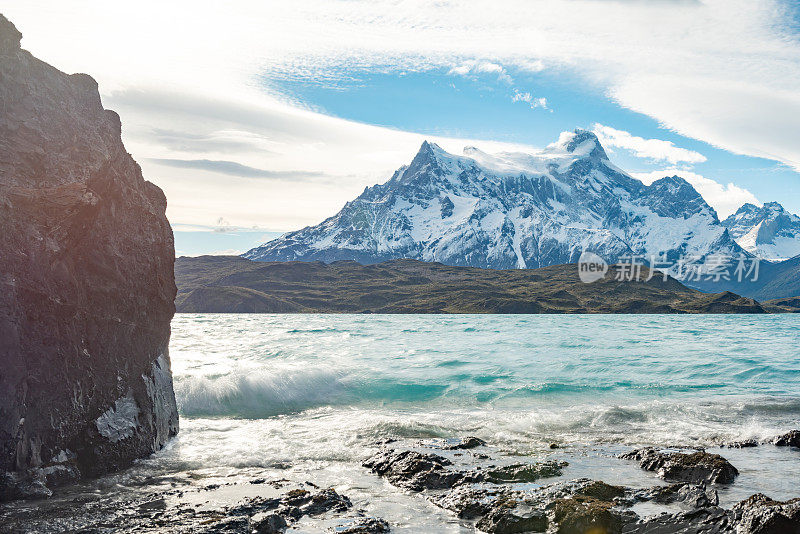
86 280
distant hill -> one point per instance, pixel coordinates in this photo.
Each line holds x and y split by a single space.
231 284
774 281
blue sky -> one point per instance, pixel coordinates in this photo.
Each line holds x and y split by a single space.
482 106
294 107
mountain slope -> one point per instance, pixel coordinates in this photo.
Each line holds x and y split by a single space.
769 232
220 284
512 211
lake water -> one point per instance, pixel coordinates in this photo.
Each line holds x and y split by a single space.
307 397
693 380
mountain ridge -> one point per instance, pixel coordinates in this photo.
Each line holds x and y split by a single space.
769 232
512 210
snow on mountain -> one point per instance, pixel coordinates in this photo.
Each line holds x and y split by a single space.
512 210
769 232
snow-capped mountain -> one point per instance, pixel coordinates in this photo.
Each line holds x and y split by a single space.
512 210
770 232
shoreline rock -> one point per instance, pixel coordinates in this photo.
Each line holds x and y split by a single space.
86 284
471 490
696 467
270 503
790 439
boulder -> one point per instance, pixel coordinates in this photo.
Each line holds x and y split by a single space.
86 281
364 525
790 439
511 520
469 442
696 467
759 514
579 515
267 524
524 472
415 470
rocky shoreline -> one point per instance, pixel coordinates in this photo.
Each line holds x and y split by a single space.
480 487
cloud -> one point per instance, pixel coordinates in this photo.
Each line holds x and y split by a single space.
533 102
328 160
219 142
224 227
724 71
237 169
725 199
473 67
653 149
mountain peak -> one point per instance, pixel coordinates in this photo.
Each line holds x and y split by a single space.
429 155
674 181
774 207
428 146
747 208
511 210
581 143
768 231
428 151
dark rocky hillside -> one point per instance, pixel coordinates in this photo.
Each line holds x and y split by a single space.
231 284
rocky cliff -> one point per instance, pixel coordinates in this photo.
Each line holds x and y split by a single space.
86 284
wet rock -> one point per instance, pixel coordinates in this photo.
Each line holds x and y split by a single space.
580 515
693 467
296 497
701 521
416 471
470 503
267 524
364 525
790 439
761 515
22 486
239 525
157 504
466 443
598 489
254 505
693 495
59 474
326 501
292 513
524 472
513 518
744 444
